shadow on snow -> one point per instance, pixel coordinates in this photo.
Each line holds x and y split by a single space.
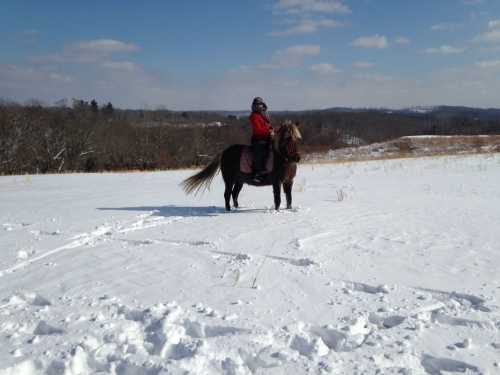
180 211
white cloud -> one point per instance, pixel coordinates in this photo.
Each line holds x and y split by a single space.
466 86
60 77
495 24
21 83
291 57
444 50
490 49
106 46
301 50
375 77
492 36
445 27
312 6
295 55
121 65
89 51
307 26
324 69
469 86
299 17
488 64
20 73
402 40
374 41
363 65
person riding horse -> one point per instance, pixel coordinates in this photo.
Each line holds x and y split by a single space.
262 134
285 158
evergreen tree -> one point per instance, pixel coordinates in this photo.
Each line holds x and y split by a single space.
108 109
93 106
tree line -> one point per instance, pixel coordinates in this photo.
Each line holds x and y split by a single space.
90 137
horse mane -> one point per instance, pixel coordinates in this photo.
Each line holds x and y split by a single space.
296 132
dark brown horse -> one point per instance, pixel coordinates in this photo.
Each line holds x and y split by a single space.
285 159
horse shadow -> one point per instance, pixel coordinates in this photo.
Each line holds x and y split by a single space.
172 210
178 211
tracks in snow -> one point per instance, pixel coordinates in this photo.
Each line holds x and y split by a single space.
101 233
108 232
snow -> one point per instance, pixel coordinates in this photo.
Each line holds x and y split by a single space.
382 267
422 109
413 146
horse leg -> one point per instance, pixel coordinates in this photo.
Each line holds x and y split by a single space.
230 166
277 195
236 191
287 187
227 194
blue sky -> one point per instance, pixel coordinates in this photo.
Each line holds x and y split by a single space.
297 54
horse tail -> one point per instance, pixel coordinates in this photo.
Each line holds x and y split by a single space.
202 180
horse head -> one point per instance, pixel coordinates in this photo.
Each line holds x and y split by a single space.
288 137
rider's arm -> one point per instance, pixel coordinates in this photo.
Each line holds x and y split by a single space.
261 128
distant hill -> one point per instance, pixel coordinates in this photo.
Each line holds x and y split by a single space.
438 112
433 111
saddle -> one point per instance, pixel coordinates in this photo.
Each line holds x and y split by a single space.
246 161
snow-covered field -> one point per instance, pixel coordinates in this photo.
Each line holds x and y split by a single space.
384 267
413 146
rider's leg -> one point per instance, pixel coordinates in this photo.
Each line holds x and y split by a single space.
260 153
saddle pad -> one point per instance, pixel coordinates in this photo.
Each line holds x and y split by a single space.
246 161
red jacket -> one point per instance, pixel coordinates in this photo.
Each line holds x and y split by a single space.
261 127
